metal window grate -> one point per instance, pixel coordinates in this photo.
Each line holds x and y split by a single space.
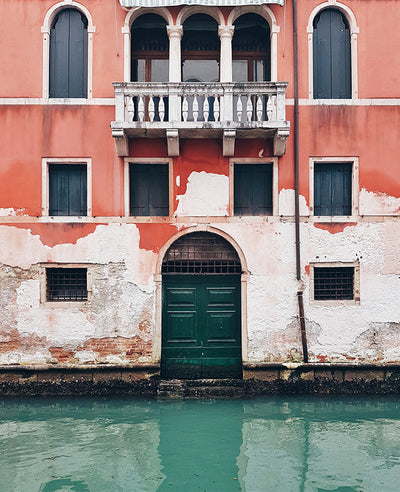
201 253
66 284
333 283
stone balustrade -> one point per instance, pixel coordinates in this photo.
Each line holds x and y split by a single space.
213 109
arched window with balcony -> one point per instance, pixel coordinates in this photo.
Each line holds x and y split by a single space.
68 70
149 49
251 49
200 49
332 78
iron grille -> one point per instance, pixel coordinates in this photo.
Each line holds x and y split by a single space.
333 283
201 253
66 284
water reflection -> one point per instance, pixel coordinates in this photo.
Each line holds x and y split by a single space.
275 444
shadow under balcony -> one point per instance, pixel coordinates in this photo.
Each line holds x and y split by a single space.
200 110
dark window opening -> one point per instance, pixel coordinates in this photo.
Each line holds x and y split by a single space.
332 56
332 189
66 284
68 189
68 55
149 189
149 49
333 283
253 189
201 253
149 57
251 49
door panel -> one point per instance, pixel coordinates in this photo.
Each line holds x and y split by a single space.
201 327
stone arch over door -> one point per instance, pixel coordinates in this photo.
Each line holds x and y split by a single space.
201 293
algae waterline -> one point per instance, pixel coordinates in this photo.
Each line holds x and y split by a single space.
263 444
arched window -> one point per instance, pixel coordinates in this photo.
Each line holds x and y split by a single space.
331 56
200 49
149 49
68 55
251 49
201 253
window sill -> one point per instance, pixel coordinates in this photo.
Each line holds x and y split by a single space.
334 219
334 303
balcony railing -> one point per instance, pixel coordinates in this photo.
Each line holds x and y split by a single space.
229 110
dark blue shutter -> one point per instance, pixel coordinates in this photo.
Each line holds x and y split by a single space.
332 189
68 55
149 190
253 189
68 189
331 56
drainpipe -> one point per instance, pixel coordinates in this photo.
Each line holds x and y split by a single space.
296 183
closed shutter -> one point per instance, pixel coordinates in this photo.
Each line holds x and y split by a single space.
68 55
253 189
331 56
67 189
149 190
332 189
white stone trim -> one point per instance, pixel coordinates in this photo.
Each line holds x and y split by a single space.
354 31
158 281
45 183
54 101
110 101
339 302
45 29
355 189
188 11
265 12
275 181
148 160
346 102
130 17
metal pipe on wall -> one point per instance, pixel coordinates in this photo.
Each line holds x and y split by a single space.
296 182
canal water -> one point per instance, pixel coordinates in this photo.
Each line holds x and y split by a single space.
269 444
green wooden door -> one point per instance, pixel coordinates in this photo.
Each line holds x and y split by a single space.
201 334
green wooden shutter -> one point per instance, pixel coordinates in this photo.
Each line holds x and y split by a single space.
253 189
332 189
331 56
149 190
67 189
68 55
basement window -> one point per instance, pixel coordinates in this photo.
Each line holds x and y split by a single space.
66 284
330 282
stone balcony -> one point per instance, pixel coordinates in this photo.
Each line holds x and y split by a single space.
223 110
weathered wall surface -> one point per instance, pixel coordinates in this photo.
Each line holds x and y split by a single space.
120 322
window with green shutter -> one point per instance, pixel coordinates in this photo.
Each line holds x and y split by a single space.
68 54
68 189
332 189
148 189
253 189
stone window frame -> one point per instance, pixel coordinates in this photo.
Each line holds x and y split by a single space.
336 302
45 186
148 160
355 189
275 184
64 304
45 30
354 31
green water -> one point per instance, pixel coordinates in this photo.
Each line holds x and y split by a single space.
271 444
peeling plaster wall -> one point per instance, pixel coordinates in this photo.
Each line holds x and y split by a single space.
206 194
118 323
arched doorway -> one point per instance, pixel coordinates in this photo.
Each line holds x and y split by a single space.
201 309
